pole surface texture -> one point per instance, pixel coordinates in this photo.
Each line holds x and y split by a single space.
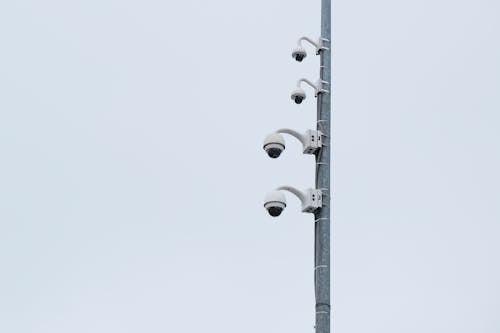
322 216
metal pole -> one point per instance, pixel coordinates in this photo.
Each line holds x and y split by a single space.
322 216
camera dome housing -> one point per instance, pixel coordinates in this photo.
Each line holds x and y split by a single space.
274 145
298 95
275 203
299 54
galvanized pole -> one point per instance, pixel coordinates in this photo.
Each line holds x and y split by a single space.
322 216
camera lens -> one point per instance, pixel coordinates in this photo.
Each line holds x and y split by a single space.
275 211
274 152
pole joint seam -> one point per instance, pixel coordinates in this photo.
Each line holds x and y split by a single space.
323 304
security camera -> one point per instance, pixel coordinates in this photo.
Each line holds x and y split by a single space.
299 53
274 203
274 144
298 95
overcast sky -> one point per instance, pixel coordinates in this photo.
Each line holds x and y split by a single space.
132 172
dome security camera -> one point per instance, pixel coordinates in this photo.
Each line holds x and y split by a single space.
299 54
298 95
274 145
310 199
274 203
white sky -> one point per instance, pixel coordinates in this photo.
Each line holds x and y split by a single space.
132 174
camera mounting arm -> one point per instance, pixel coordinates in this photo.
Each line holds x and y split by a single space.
311 140
311 199
318 45
293 133
318 87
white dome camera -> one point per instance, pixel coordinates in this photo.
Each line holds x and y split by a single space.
299 53
298 95
274 145
274 203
